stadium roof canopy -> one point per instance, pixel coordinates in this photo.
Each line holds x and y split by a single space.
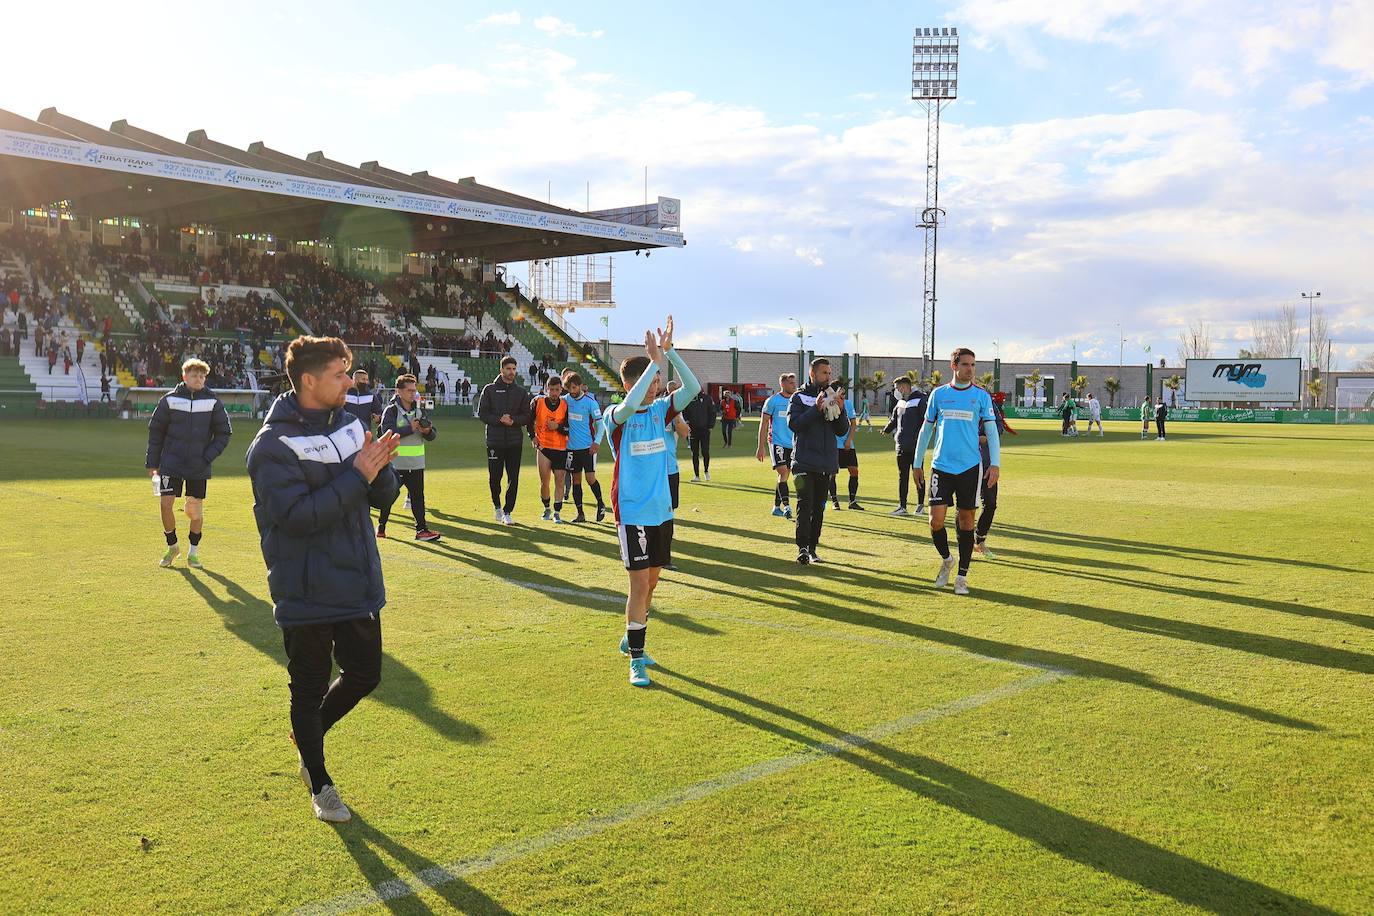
127 171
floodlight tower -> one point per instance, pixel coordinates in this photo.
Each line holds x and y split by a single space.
934 84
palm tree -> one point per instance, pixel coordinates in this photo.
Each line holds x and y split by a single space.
934 379
1033 383
1173 383
1113 385
1078 385
1314 391
986 380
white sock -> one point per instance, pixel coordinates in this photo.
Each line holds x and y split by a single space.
192 551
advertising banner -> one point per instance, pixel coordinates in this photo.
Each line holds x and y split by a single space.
1268 381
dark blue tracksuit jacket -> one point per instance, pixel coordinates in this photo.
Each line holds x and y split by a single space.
189 429
312 511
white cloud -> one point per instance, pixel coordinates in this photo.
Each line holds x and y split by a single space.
437 79
1215 80
511 18
1313 93
561 28
1351 39
1126 90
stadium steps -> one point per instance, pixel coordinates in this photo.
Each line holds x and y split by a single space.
598 373
60 386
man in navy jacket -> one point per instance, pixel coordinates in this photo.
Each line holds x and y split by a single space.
315 473
816 417
188 431
908 412
362 401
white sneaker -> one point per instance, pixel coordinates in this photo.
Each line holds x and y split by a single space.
900 510
696 479
961 585
942 578
170 556
920 510
505 519
329 807
499 514
708 475
407 505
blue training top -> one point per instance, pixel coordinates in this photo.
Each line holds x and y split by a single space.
848 412
779 433
584 415
956 414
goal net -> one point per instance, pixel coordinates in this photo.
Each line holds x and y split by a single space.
1355 405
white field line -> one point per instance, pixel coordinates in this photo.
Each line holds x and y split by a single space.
619 601
406 885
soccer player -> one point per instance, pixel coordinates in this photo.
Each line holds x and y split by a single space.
363 402
907 415
1068 414
188 431
700 415
315 471
548 428
1094 414
1161 414
504 407
676 429
955 415
818 421
848 458
584 419
639 491
404 417
980 536
775 441
1146 412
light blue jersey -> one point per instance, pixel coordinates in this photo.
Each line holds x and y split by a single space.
848 412
779 433
584 416
670 440
956 414
639 490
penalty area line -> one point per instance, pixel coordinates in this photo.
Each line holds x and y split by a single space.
410 884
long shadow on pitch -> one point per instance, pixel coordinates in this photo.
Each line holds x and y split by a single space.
1121 545
1098 563
1247 601
1099 847
362 841
250 619
545 586
727 581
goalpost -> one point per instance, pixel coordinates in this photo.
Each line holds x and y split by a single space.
1355 405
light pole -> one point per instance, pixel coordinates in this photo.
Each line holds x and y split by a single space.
801 348
1311 349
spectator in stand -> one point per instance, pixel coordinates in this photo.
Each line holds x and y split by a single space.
467 390
52 357
105 390
80 347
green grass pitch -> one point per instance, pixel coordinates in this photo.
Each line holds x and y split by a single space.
1158 697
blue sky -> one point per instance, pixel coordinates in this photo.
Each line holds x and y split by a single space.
1108 161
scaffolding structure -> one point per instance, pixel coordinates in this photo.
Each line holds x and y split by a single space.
568 284
934 84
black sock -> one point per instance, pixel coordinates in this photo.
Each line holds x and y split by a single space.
577 497
941 538
777 496
171 537
985 522
965 550
834 494
786 492
596 491
853 489
558 505
545 501
195 538
636 639
319 777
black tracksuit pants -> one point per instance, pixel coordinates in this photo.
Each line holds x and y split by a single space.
504 460
414 482
317 704
905 462
812 490
700 441
1159 425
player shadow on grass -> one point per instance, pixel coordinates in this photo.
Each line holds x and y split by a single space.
726 580
1172 551
250 619
545 585
1063 834
1247 601
363 841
